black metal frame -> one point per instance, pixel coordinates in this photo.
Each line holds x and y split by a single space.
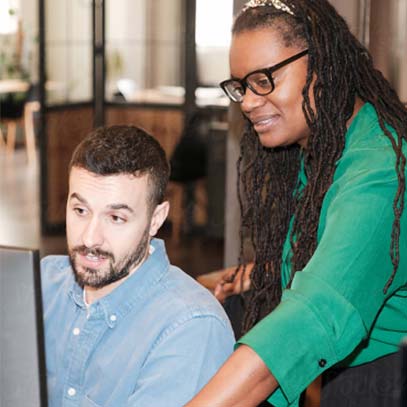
190 69
99 71
43 143
40 328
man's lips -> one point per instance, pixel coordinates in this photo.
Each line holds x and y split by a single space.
91 257
90 260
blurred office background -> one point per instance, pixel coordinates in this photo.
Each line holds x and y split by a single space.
68 66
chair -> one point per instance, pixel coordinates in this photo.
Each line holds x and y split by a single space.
187 188
18 109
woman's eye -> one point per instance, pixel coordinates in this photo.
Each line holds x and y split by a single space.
260 81
263 83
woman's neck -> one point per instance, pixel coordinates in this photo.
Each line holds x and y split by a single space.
358 104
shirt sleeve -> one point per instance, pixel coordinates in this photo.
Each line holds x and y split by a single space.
182 362
333 302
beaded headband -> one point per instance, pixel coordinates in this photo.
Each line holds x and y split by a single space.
275 3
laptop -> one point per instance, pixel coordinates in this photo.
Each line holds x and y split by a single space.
22 351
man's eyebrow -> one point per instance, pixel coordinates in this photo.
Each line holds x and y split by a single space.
115 207
121 206
80 198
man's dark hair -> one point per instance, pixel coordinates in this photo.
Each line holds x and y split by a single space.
124 150
342 70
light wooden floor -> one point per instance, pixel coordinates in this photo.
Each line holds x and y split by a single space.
20 225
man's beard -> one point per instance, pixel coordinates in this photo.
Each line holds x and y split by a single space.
98 278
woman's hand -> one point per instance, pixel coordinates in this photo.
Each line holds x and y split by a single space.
233 282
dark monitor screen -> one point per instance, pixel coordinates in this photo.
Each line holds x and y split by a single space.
22 354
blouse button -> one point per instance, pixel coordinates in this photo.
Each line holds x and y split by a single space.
71 391
322 362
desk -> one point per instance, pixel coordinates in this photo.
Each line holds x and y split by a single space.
174 95
13 86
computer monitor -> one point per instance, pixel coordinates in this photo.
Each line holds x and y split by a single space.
22 351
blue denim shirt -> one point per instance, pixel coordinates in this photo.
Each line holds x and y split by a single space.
155 340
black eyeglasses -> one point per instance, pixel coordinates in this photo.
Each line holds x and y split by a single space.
259 82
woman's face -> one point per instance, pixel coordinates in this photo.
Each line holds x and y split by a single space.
277 117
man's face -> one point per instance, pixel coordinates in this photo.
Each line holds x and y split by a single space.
108 225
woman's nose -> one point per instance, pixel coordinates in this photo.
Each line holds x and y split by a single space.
251 101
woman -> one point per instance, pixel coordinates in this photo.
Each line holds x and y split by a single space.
322 175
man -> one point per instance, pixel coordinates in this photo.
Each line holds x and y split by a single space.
123 327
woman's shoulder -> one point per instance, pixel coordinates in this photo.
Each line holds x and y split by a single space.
367 148
365 131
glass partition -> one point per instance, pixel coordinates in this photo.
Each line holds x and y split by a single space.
144 51
68 44
212 38
19 40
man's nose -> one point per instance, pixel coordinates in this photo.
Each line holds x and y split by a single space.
251 101
93 234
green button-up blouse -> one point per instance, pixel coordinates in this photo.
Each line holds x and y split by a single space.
335 311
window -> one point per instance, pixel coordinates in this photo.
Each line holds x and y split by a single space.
213 34
8 16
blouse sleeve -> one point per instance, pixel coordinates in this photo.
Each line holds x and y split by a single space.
333 302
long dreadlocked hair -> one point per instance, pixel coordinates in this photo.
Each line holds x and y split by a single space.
267 177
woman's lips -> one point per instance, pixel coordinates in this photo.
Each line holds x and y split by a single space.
264 124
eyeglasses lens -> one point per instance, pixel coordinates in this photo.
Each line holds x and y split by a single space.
260 83
235 91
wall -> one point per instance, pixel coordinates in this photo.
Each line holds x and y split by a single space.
388 41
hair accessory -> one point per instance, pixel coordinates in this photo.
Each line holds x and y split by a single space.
275 3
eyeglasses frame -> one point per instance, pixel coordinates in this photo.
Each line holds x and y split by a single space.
267 71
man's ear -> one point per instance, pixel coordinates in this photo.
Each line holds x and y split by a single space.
159 215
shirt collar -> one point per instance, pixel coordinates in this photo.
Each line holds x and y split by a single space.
125 297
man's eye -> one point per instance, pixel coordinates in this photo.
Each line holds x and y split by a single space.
118 219
79 211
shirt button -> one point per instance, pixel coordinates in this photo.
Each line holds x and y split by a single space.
76 331
71 391
113 318
322 362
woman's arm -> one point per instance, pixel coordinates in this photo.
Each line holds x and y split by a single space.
243 381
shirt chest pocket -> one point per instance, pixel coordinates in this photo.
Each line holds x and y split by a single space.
87 402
